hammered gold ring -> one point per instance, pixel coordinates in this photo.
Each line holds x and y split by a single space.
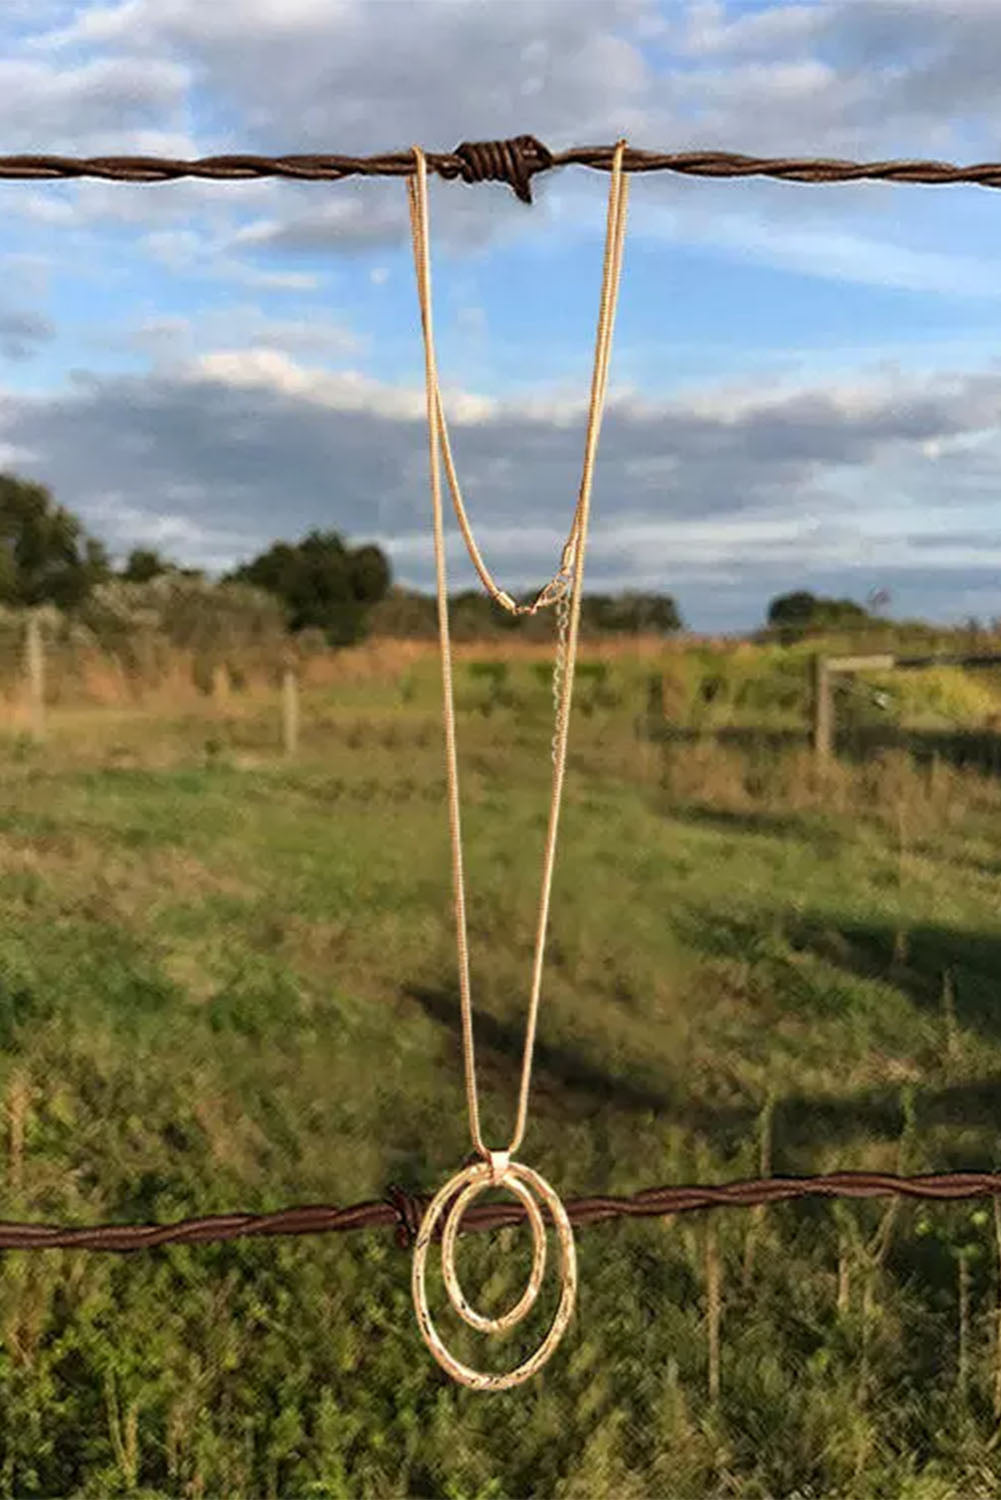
469 1183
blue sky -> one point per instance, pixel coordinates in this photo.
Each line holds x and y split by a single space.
806 381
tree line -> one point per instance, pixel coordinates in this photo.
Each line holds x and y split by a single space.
345 592
322 583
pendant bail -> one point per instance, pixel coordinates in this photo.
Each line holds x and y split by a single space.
498 1162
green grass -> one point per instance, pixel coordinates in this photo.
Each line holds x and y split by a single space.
228 983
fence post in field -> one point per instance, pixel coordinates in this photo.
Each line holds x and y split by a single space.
654 702
220 684
822 709
290 711
34 670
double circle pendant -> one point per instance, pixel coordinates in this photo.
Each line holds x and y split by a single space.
497 1171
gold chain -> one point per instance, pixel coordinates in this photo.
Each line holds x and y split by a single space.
565 589
557 586
559 666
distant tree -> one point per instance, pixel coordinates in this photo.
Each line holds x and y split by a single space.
474 616
404 614
630 614
323 583
798 608
370 574
46 557
796 613
143 564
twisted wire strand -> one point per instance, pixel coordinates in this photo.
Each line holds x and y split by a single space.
515 162
404 1211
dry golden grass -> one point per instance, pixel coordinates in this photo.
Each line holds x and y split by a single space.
180 678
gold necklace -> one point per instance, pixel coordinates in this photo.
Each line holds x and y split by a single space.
497 1169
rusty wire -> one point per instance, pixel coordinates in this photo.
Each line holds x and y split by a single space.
404 1211
514 161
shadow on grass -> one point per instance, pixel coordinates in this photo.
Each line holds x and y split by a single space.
759 821
922 960
802 1124
559 1072
567 1082
932 850
914 961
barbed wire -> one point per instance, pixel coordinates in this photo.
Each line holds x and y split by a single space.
404 1211
514 161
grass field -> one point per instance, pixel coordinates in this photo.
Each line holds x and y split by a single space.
227 982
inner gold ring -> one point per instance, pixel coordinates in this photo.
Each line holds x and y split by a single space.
456 1295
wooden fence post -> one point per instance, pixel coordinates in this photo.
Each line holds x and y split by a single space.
34 667
822 709
220 684
290 711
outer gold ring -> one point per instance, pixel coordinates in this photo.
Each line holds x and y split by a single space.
476 1179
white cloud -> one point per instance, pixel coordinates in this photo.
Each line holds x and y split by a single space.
279 281
178 339
91 106
125 525
22 333
344 391
710 29
319 71
193 253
